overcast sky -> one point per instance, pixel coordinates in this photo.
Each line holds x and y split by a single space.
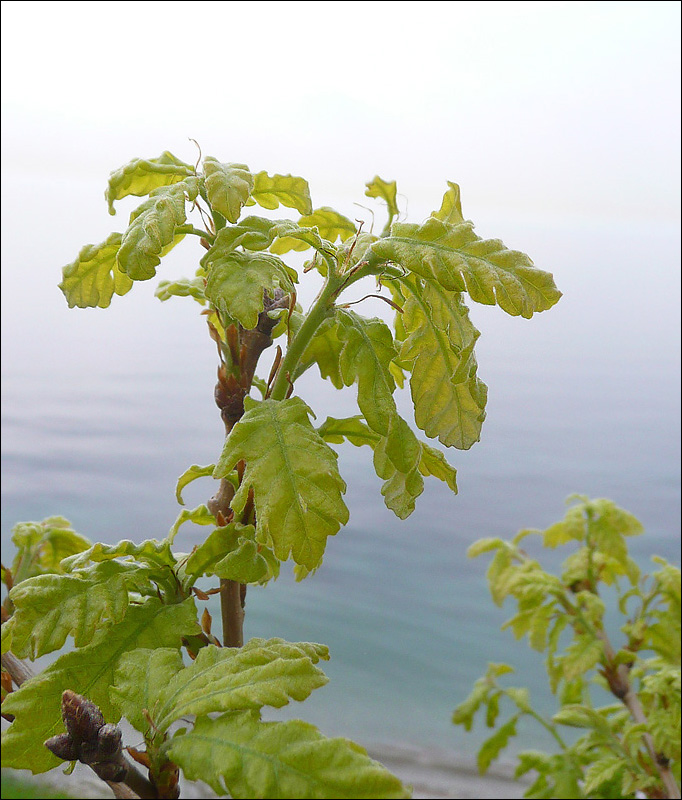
558 107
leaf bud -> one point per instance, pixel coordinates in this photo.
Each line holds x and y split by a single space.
82 718
62 746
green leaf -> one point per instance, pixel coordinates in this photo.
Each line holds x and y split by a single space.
228 187
189 475
324 349
292 236
41 546
520 698
240 755
484 546
152 229
329 223
251 233
386 191
433 462
354 429
449 399
94 277
232 552
141 176
492 747
88 671
264 672
294 476
271 190
459 260
397 458
601 771
139 677
151 551
199 516
237 282
183 287
48 608
451 208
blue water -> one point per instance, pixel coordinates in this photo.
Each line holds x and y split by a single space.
102 410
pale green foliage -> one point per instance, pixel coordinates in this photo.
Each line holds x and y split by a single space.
95 276
228 187
48 608
141 176
271 190
237 282
240 754
152 230
449 399
613 758
128 607
89 671
41 546
459 260
294 476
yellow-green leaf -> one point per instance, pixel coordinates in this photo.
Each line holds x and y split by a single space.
271 190
240 755
459 260
141 176
228 187
451 207
386 191
94 277
294 476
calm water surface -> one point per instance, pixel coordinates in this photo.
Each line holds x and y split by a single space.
102 410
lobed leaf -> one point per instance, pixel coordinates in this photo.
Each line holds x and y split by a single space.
450 210
237 282
199 516
240 755
329 223
89 671
271 190
152 229
294 476
228 187
492 747
141 176
49 608
183 287
263 672
151 551
386 191
189 475
459 260
95 276
438 350
232 552
41 547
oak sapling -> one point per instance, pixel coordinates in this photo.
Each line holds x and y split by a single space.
131 607
630 748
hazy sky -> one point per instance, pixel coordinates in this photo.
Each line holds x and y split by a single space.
559 107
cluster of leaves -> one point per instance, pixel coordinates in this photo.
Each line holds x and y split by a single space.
130 612
630 746
130 608
426 268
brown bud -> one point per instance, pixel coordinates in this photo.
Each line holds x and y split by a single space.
110 771
63 747
109 739
82 718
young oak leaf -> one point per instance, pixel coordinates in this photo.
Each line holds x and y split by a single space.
89 671
294 476
245 757
264 672
269 191
449 399
459 260
49 608
141 176
236 283
330 224
386 191
94 277
41 547
451 207
152 229
228 187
